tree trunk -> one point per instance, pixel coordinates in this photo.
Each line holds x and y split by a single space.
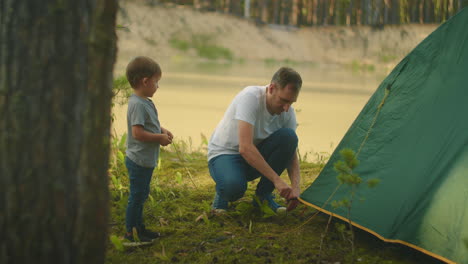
196 4
264 11
315 16
386 10
247 8
421 12
295 12
349 16
396 11
310 12
56 61
276 12
325 13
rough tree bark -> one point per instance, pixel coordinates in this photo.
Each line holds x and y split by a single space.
56 61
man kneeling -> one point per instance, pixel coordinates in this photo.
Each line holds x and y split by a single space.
257 138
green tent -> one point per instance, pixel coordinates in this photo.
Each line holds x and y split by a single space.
414 137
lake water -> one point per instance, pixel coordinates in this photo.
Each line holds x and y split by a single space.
192 99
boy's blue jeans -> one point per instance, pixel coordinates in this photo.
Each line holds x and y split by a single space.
231 172
140 178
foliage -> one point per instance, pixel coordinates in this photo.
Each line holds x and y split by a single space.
117 170
376 13
121 90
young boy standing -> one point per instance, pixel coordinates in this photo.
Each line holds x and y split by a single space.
145 135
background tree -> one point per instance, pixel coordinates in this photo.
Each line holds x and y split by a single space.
56 62
334 12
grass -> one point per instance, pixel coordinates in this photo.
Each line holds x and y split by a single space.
271 62
180 210
179 44
358 66
387 58
204 45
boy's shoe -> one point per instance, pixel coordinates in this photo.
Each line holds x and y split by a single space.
148 233
271 203
130 241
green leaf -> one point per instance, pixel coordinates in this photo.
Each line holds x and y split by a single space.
135 235
117 243
122 141
349 157
373 182
335 204
179 177
265 208
120 156
341 167
244 208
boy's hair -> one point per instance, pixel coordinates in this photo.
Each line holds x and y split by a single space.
141 67
285 76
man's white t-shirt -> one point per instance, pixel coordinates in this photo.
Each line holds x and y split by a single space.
249 106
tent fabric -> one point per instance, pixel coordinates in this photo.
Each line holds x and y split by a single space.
417 145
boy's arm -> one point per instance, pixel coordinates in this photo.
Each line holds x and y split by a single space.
142 135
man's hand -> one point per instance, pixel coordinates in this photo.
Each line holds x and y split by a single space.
165 140
283 188
167 132
293 201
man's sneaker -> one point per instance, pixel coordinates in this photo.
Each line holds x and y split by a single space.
218 212
271 203
219 203
281 210
148 233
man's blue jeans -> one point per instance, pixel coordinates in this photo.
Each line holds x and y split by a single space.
231 172
140 178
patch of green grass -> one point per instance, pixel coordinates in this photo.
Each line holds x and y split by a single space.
214 52
386 58
358 66
150 41
271 62
180 210
205 47
179 44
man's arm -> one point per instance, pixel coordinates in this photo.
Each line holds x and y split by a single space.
142 135
253 157
295 176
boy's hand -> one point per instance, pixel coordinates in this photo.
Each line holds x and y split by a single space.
167 132
165 140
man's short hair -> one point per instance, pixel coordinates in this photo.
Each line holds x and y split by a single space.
285 76
141 67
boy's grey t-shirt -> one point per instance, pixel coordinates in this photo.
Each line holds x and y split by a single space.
142 112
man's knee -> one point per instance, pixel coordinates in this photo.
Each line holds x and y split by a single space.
233 190
288 136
